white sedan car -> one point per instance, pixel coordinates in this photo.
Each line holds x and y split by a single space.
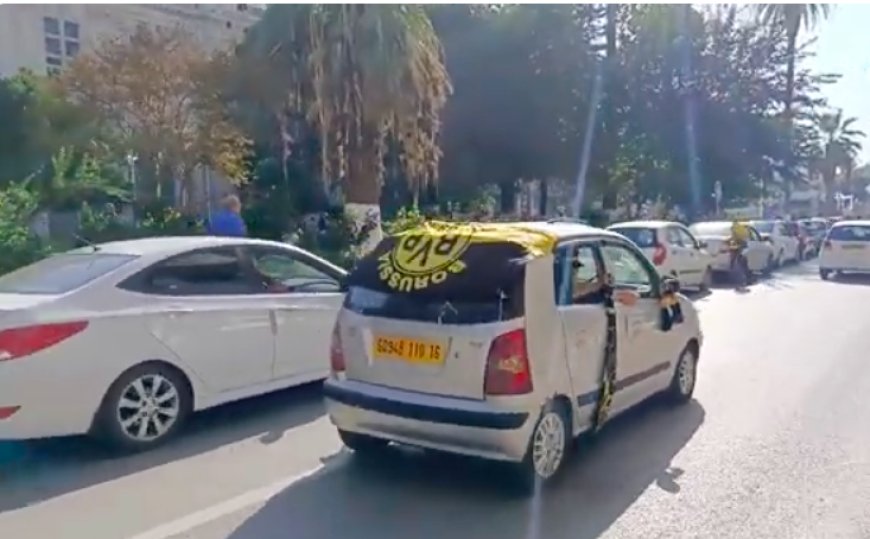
124 340
760 253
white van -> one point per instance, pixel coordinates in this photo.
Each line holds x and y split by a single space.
504 341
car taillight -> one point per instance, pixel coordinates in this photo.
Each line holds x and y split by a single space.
659 255
336 352
20 342
507 365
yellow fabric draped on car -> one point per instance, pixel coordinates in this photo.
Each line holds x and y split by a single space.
536 242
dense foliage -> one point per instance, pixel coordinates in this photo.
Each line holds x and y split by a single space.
443 109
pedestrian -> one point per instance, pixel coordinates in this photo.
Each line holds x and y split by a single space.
228 220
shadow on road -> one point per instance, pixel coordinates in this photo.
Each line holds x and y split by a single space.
46 469
851 279
406 494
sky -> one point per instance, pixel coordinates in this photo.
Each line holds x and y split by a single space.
843 46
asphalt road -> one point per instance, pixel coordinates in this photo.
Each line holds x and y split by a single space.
775 445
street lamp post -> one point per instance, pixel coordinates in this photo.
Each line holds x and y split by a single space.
131 164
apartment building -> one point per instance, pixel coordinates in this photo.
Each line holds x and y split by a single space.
43 38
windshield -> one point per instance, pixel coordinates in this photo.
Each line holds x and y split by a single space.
460 309
61 273
642 237
850 233
711 229
763 227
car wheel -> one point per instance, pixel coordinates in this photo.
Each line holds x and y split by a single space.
547 449
361 444
144 407
685 375
768 266
824 274
706 280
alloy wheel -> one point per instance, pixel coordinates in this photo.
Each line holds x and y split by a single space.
148 408
548 444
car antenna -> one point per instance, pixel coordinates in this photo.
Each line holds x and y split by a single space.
87 242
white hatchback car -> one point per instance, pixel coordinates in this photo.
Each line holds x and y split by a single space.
503 341
846 249
123 340
672 249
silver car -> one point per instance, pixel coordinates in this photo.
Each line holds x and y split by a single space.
497 341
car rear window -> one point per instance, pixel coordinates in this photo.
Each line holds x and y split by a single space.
61 273
642 237
462 309
850 233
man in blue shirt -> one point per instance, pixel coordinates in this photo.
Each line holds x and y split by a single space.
228 221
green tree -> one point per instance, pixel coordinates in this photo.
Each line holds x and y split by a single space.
842 144
364 76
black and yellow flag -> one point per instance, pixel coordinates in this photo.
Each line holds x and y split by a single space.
442 258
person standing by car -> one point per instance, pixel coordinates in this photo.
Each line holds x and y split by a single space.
228 221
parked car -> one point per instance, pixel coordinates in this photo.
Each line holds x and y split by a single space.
846 249
673 250
496 341
124 340
784 236
759 252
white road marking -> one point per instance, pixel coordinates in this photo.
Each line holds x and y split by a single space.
226 507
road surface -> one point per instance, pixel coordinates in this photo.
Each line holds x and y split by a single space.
776 445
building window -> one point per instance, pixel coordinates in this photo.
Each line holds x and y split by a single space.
72 48
53 61
52 71
70 30
52 45
51 26
241 7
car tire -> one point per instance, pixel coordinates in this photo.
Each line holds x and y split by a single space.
682 385
548 447
825 274
143 408
706 280
362 444
768 266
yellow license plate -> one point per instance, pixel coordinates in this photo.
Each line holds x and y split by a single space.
423 351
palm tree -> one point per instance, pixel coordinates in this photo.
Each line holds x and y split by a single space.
841 148
367 76
792 17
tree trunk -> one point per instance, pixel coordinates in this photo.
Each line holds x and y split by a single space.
363 195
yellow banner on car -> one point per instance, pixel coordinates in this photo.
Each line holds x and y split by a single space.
454 255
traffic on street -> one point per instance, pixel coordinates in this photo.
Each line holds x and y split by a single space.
771 445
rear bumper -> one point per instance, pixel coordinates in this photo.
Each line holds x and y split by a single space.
463 426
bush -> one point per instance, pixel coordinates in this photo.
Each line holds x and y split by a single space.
99 226
18 245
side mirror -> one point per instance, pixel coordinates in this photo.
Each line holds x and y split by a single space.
702 245
767 238
670 285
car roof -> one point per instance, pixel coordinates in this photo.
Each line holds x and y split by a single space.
566 229
645 224
852 222
169 245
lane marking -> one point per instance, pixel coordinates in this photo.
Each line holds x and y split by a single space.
209 514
